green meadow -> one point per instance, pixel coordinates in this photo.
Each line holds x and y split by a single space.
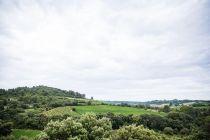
100 109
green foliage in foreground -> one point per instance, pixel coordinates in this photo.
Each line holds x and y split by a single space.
5 128
115 109
17 133
88 127
33 108
133 132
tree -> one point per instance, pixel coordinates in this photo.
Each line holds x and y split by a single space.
153 122
166 108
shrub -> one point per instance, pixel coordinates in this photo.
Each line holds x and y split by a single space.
5 128
42 136
23 138
132 132
185 131
96 128
62 130
88 127
168 131
73 109
11 137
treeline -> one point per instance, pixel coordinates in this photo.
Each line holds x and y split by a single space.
26 111
174 102
41 90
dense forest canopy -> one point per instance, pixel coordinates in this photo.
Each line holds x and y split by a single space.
41 90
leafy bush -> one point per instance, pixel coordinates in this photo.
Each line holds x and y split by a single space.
23 138
185 131
62 130
5 128
42 136
153 122
10 137
133 132
96 128
87 127
168 131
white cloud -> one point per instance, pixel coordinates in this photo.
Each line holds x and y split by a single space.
118 50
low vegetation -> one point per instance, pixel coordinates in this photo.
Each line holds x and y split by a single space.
99 109
60 111
44 113
115 109
30 134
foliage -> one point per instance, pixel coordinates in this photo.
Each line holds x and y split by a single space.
41 90
168 131
62 115
153 121
133 132
96 128
60 111
184 131
5 128
118 120
62 130
87 127
10 137
166 109
23 138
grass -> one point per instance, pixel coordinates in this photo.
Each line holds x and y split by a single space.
115 109
31 134
99 109
85 101
60 111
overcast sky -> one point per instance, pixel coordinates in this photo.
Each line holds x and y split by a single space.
109 49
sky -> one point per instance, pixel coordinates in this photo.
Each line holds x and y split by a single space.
135 50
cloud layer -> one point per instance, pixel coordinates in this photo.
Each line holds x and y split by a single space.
113 50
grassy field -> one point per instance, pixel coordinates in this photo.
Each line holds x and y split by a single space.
99 109
17 133
115 109
85 101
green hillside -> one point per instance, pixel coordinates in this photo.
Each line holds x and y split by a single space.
40 90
